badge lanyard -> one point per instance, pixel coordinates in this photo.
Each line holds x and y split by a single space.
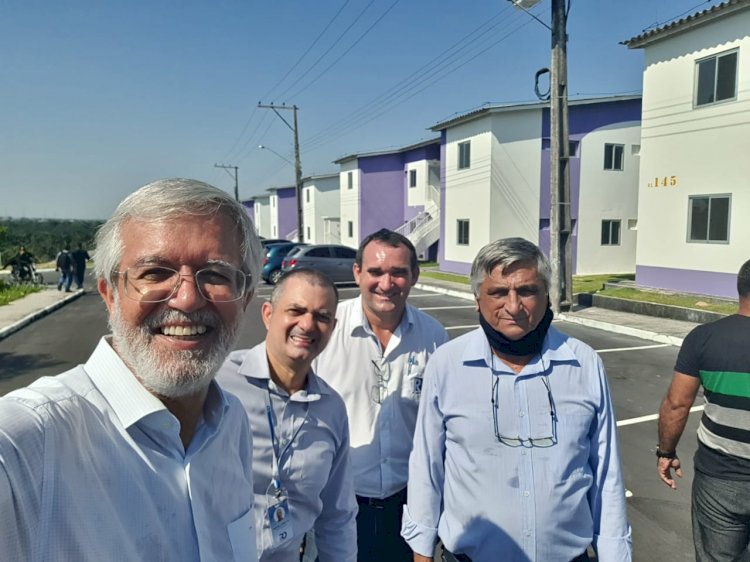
277 511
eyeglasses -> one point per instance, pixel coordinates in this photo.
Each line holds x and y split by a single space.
380 390
152 283
529 442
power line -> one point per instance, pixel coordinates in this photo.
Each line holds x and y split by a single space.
315 42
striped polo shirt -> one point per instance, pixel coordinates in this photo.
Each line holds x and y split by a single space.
719 353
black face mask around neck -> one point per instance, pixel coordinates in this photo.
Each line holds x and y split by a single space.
530 344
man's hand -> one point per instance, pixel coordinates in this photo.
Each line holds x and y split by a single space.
664 467
420 558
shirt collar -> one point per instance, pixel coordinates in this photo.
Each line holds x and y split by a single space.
360 322
554 349
129 399
255 366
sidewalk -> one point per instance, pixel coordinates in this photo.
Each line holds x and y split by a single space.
22 312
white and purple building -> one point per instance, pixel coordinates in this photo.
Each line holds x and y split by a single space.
495 174
396 189
695 172
282 203
320 209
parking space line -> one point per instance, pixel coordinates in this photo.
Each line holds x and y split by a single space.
652 417
446 307
655 346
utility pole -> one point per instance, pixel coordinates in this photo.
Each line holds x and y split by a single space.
297 164
561 290
236 182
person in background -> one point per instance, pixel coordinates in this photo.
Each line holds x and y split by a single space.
375 360
79 256
301 466
715 356
516 454
64 264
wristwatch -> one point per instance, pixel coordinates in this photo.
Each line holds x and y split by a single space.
665 454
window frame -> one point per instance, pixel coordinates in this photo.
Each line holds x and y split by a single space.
350 180
412 178
609 234
613 146
466 223
461 165
350 228
710 197
696 78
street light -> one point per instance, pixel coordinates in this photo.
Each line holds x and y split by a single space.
263 147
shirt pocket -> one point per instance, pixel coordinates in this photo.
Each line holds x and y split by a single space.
242 537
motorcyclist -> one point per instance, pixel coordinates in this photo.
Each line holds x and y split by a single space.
23 264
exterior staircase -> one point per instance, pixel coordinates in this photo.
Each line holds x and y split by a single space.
424 229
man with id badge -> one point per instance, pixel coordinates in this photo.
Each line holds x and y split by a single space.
515 451
376 360
301 465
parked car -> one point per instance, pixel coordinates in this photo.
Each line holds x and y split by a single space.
266 241
275 253
333 260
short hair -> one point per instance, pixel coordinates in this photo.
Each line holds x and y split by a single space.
170 199
505 253
312 276
390 238
743 280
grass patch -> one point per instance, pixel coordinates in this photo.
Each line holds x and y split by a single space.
9 293
673 299
595 283
445 276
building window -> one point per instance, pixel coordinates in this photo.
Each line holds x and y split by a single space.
274 231
613 156
308 233
273 202
716 79
611 233
412 178
350 180
573 149
307 195
462 238
464 155
350 228
709 218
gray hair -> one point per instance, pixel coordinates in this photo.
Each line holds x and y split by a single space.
505 253
312 276
169 199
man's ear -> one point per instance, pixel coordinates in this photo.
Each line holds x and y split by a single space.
357 272
265 313
107 292
415 276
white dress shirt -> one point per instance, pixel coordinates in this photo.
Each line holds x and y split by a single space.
92 468
314 467
382 408
554 484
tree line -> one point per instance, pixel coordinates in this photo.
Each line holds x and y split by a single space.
44 237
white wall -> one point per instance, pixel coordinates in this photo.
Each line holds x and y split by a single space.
467 191
704 148
262 216
273 201
349 210
324 202
608 194
415 196
516 175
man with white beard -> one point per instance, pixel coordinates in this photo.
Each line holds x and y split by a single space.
138 454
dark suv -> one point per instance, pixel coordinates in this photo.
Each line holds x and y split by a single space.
332 259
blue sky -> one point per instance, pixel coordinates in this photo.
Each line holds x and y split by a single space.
99 98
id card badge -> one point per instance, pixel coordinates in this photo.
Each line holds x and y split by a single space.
279 519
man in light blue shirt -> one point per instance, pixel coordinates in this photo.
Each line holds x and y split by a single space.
138 454
515 453
301 466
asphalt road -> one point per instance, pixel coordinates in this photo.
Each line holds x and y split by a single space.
639 372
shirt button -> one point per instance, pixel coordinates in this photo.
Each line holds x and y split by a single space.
526 493
520 414
523 453
527 533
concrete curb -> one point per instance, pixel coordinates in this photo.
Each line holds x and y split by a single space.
26 320
466 295
624 330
